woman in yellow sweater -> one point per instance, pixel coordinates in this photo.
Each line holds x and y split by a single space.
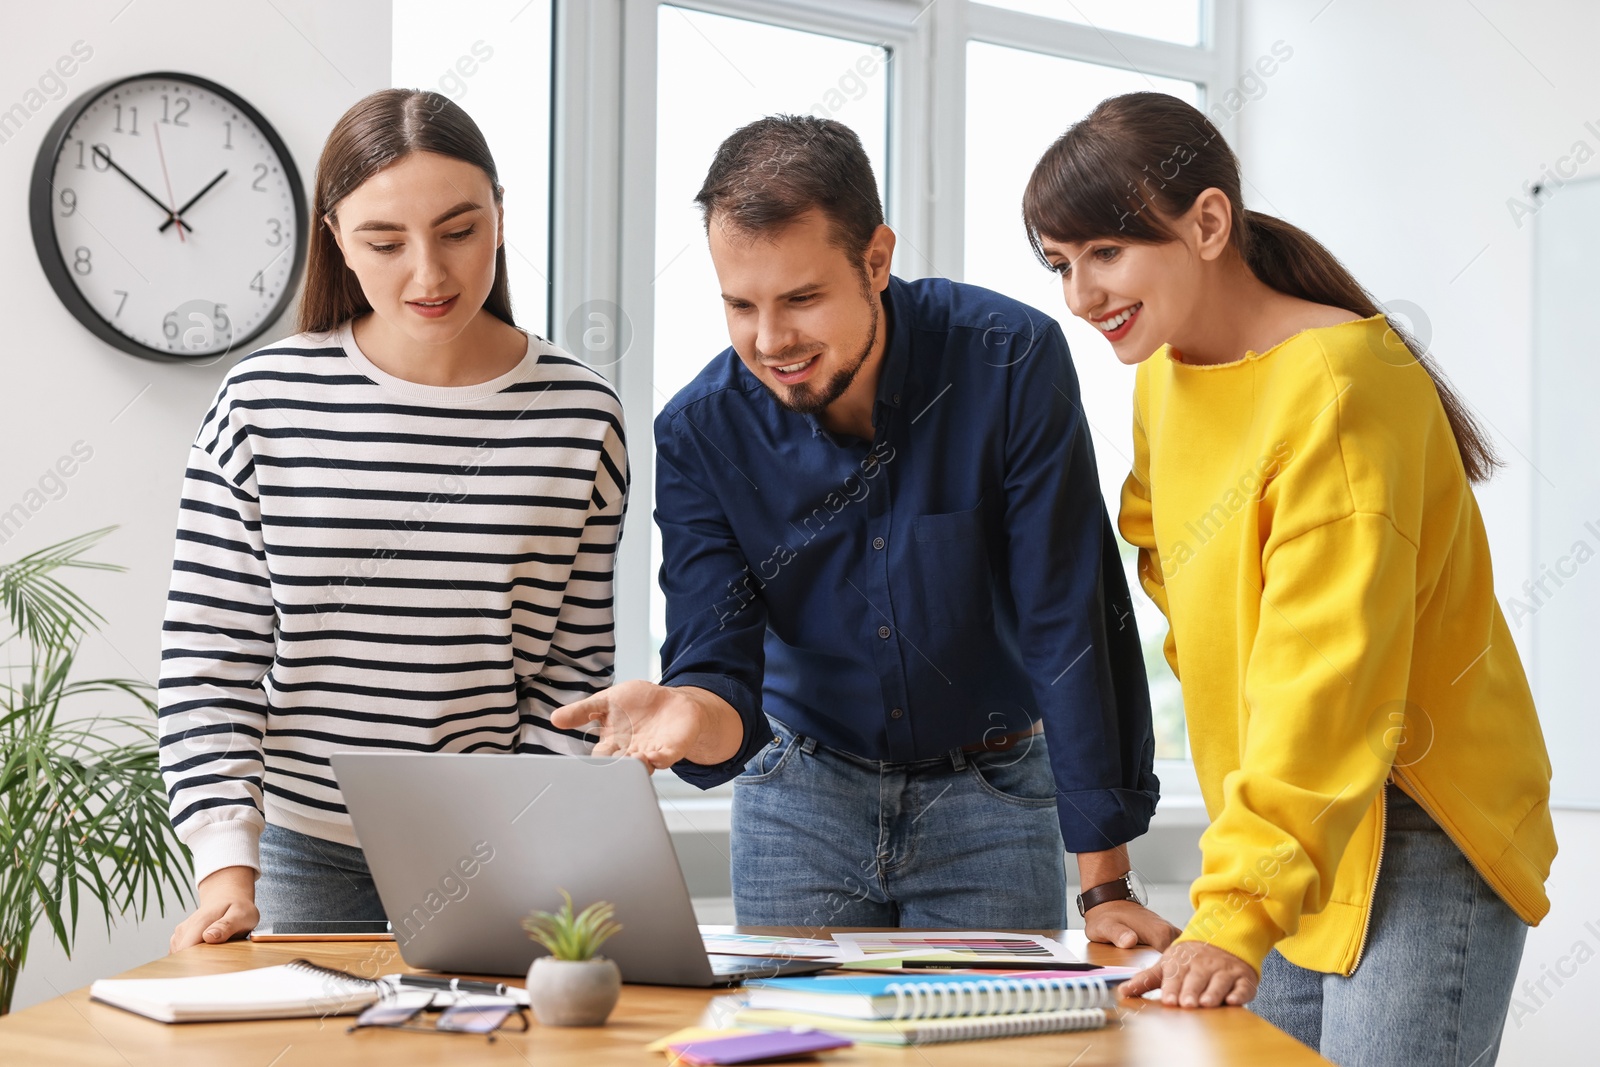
1359 718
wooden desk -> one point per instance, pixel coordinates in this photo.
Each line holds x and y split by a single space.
71 1029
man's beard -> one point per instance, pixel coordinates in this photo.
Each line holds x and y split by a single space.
803 399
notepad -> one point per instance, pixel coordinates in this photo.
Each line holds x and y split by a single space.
756 1048
915 996
290 990
927 1031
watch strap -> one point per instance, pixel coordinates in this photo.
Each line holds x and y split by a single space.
1119 889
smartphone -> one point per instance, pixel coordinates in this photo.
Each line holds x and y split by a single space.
319 930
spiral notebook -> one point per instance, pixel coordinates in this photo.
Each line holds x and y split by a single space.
926 1031
933 996
288 991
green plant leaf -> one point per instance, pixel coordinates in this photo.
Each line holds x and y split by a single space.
40 607
83 811
570 937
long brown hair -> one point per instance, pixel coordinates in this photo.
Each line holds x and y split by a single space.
1138 160
379 130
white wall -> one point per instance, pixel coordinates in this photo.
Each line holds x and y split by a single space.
301 63
1396 133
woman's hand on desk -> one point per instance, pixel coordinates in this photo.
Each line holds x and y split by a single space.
226 910
658 724
1193 974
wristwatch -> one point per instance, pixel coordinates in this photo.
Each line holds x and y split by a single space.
1125 888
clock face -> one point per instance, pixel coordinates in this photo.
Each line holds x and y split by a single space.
176 219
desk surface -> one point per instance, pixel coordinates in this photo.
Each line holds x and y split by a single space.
71 1029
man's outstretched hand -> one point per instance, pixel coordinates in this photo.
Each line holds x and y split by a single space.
657 724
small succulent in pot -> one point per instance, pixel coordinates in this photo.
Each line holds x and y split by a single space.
573 986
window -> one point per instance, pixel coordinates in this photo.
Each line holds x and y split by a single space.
715 74
1018 102
977 93
1177 21
494 60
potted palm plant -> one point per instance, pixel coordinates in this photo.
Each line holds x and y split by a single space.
572 986
83 814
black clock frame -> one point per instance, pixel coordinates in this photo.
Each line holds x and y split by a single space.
41 217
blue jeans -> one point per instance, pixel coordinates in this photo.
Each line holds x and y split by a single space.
968 841
1435 982
305 878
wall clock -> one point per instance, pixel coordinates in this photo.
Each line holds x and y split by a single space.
169 216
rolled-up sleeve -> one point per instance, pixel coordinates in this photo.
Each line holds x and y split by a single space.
1076 628
716 617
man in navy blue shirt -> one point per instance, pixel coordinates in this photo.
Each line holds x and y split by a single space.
896 614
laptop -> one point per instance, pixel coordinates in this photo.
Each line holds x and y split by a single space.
462 846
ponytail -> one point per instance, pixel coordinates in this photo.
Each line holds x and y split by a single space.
1139 159
1291 261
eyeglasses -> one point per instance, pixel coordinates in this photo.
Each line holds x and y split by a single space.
461 1013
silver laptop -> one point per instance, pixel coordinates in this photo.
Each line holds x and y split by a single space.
462 847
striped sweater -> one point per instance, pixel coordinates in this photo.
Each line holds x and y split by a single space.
364 562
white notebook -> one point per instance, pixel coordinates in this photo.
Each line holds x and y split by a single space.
287 991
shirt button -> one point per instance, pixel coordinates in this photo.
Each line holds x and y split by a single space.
877 542
896 400
896 713
883 632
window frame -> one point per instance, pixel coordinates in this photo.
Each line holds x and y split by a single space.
603 178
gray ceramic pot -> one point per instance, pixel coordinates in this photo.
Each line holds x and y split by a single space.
573 992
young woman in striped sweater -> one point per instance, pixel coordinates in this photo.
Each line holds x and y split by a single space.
1302 503
397 531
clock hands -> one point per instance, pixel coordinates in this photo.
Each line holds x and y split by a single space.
171 215
176 217
162 155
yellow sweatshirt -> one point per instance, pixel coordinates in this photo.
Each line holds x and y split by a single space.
1305 523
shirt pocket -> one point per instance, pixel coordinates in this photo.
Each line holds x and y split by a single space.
952 587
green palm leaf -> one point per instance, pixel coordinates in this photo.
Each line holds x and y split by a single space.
83 811
40 607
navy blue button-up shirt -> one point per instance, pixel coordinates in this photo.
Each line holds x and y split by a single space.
952 580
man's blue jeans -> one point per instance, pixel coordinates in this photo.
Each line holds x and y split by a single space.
968 841
1435 980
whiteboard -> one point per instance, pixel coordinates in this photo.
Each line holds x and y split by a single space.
1560 606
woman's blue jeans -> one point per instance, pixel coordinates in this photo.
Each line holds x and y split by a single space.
1435 981
305 878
